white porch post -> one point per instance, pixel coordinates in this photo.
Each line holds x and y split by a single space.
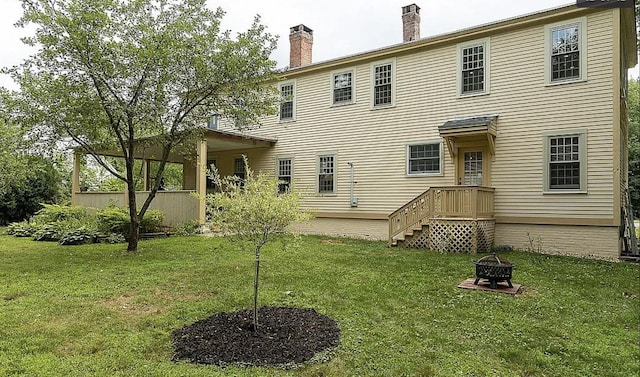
145 174
201 179
75 178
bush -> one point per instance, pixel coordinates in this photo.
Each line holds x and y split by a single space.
78 237
52 213
48 232
113 238
22 199
21 229
188 228
116 220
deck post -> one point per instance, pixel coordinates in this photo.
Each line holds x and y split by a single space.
146 173
201 179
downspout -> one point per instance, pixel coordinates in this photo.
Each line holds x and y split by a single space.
352 199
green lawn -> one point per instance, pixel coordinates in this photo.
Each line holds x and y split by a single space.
95 310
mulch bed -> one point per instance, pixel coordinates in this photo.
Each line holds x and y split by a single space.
285 337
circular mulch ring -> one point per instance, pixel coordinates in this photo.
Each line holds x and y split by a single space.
285 336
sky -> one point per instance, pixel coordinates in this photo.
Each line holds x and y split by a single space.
340 27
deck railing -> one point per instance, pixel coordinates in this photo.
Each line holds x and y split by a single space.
178 206
463 202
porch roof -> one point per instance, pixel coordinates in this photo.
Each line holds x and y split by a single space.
460 126
149 148
219 140
483 126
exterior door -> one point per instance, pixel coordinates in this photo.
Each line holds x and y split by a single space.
473 167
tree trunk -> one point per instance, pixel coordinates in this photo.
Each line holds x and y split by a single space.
134 228
255 291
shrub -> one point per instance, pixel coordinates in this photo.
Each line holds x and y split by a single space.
188 228
113 219
78 237
21 229
48 232
52 213
152 221
21 199
116 220
114 238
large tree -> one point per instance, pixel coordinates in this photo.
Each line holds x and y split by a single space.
108 72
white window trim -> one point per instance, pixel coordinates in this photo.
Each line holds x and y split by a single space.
440 172
295 96
335 174
487 67
372 81
353 87
582 145
277 167
582 30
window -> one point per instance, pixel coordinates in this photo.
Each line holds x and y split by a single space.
326 173
423 159
213 122
239 168
342 87
473 67
287 101
383 76
565 52
284 175
565 165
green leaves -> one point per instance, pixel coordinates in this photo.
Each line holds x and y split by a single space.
110 72
252 208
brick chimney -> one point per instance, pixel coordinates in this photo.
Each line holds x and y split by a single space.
300 42
410 23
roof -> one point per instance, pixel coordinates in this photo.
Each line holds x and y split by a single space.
475 32
471 122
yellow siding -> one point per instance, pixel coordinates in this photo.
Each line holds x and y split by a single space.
375 140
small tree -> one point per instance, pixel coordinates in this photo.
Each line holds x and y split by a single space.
109 73
253 210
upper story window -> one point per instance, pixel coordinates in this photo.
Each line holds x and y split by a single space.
326 174
473 67
284 175
565 162
342 87
383 74
287 101
424 159
565 52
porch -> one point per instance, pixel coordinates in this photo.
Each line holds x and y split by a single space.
447 219
188 201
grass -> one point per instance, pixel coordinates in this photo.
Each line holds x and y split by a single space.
95 310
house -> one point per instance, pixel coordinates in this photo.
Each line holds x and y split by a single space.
512 133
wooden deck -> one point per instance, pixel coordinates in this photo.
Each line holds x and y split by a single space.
449 204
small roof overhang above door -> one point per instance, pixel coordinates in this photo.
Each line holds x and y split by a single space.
471 127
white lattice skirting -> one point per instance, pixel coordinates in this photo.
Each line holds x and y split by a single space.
460 236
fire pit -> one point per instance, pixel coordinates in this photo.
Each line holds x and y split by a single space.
493 269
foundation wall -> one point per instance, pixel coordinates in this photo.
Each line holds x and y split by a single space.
354 228
597 241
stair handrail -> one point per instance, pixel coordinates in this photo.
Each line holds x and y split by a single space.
410 214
